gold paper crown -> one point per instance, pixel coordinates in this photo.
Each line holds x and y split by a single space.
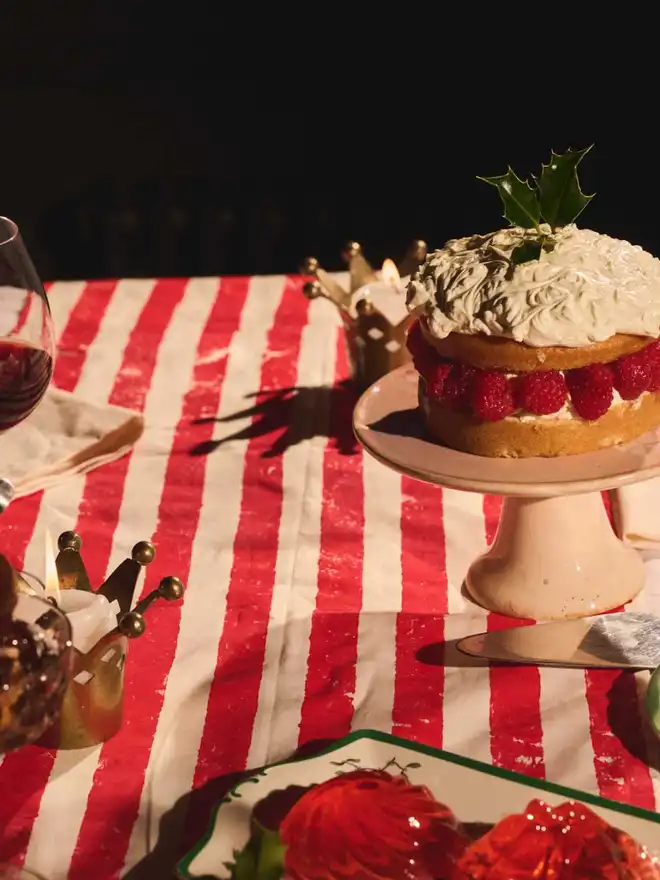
93 703
375 345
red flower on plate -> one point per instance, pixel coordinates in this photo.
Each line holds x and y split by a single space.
568 842
370 825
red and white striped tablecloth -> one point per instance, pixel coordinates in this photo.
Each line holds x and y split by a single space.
323 589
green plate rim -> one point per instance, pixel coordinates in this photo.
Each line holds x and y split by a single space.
531 782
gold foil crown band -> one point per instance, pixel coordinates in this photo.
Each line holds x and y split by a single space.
372 309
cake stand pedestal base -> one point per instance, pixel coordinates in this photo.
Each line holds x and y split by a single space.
555 558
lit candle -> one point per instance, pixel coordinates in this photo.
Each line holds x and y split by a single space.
387 294
91 615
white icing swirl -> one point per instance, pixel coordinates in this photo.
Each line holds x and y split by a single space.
586 289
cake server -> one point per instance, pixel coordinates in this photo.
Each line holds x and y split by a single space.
626 640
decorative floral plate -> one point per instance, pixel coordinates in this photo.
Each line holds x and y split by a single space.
478 794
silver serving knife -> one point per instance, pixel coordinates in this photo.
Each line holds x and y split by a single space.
626 640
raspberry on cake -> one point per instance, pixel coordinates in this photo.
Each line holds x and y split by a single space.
540 339
492 398
541 393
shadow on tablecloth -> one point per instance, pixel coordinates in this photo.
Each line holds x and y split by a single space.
627 723
622 705
292 416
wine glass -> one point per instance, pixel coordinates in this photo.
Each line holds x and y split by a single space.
26 331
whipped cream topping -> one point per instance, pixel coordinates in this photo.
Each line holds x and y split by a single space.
588 288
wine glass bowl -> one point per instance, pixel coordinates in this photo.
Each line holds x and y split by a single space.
26 330
36 657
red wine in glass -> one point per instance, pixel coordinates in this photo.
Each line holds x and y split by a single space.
25 373
26 331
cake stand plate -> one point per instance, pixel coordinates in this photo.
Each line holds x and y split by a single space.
555 555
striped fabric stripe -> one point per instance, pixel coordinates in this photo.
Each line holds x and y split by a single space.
324 591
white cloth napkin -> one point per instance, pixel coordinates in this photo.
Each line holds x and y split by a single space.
64 436
636 511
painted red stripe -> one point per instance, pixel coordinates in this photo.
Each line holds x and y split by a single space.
22 316
492 506
331 674
419 681
23 774
607 501
234 692
124 759
617 736
516 731
100 505
80 332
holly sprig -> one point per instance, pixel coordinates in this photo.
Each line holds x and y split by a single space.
555 199
262 858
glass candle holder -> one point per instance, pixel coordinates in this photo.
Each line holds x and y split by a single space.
36 656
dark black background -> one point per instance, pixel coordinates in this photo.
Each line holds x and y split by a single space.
117 159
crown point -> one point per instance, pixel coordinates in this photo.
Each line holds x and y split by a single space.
312 290
310 266
69 541
171 588
143 553
132 625
353 248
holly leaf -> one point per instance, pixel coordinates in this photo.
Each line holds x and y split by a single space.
562 200
527 251
519 199
262 858
271 857
245 865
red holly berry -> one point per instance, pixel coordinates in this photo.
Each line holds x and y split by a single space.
541 393
591 390
457 386
424 355
492 396
652 355
631 375
435 379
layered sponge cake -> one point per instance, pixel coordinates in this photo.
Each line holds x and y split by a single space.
554 356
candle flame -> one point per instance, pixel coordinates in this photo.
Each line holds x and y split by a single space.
390 274
51 578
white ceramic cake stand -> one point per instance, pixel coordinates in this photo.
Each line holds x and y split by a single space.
555 555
